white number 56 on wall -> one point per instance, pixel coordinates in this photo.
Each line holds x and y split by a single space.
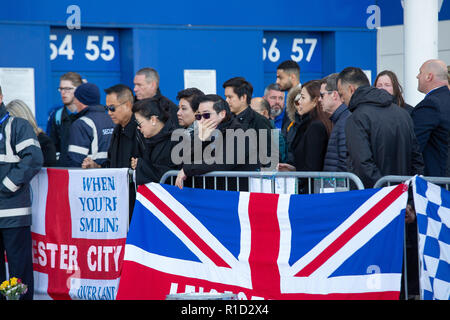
273 54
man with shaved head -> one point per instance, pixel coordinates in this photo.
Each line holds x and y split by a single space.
432 117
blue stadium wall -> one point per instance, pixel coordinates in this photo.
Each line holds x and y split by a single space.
235 38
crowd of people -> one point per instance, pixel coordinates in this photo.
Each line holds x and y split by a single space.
337 124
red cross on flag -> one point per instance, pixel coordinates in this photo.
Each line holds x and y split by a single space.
80 223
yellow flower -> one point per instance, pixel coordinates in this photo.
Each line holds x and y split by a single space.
4 285
13 281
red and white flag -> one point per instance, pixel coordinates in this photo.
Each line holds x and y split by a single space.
80 224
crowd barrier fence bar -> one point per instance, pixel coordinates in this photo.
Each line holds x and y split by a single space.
388 180
323 181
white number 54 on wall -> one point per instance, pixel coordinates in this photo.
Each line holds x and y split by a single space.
93 52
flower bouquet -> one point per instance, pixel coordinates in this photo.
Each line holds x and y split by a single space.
13 288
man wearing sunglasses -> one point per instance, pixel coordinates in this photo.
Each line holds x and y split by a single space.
215 126
124 140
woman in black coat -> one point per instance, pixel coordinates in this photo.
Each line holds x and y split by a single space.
308 146
152 117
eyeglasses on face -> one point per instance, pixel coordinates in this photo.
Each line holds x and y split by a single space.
66 89
113 108
205 116
139 124
322 94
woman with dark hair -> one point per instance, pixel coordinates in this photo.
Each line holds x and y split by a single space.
308 147
388 81
187 107
152 117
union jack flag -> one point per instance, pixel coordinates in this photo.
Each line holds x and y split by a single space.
344 245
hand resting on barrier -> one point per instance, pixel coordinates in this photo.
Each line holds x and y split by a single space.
285 167
88 163
180 179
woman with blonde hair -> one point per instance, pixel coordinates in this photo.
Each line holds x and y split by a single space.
18 108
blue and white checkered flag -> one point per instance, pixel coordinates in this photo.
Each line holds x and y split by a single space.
432 204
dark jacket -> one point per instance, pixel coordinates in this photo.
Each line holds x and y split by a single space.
336 156
217 163
20 160
58 128
380 137
123 146
48 150
155 159
250 119
90 136
432 127
309 145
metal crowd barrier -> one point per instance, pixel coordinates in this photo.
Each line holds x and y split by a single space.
388 180
274 181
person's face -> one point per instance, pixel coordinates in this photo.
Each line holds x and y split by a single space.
305 104
147 127
326 99
214 118
66 89
385 83
423 78
276 102
236 104
345 92
122 110
185 113
283 80
142 88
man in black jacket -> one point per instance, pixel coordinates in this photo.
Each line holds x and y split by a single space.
432 117
380 134
146 85
218 133
124 140
238 94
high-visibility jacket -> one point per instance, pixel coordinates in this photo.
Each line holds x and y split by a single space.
90 136
20 159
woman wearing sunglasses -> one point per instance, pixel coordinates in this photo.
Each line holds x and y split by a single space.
215 121
152 117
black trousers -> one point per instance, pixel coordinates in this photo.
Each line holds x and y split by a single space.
17 244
